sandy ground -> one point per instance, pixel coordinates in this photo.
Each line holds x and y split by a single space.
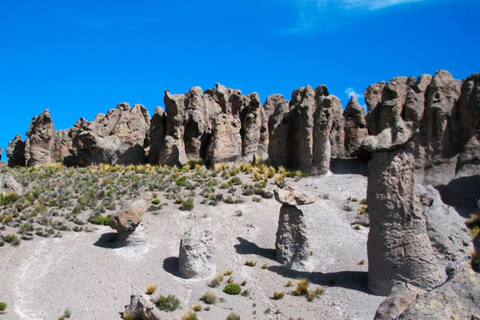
82 272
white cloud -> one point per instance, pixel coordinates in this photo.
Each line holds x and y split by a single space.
352 93
313 13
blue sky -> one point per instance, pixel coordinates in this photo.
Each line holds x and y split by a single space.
79 58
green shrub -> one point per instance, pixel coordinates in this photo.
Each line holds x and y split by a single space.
233 316
232 289
3 306
100 220
8 199
12 239
168 303
190 316
187 205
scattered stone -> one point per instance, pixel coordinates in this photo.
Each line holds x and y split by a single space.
267 194
291 244
457 298
196 258
142 308
401 296
128 219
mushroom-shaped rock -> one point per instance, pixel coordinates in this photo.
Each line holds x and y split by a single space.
292 247
142 308
196 258
290 195
128 218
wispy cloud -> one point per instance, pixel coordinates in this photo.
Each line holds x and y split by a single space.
312 13
352 93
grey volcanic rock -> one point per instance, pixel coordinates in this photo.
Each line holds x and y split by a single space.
16 152
9 185
398 245
290 195
40 142
196 257
119 137
457 298
128 219
401 296
224 146
158 127
142 308
292 247
307 132
446 229
355 126
476 245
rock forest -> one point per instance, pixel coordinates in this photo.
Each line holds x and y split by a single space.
221 207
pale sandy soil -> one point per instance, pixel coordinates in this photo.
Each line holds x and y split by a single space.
80 271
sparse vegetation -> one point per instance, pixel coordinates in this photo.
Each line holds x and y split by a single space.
209 297
167 303
278 295
301 288
197 307
151 288
3 306
250 263
232 289
233 316
190 316
215 282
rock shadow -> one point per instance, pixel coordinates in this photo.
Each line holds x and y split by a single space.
354 280
247 247
108 240
349 166
170 265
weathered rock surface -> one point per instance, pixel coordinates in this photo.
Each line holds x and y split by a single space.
128 219
16 152
292 247
290 195
119 137
398 245
196 258
457 298
142 308
8 185
446 229
355 126
401 296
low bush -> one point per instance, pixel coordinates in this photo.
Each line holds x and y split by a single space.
232 289
209 297
3 306
151 288
99 220
233 316
216 281
302 287
278 295
167 303
190 316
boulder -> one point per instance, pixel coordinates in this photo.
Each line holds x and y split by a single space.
290 195
401 296
292 247
8 185
142 308
457 298
119 137
16 152
128 219
446 229
196 258
399 248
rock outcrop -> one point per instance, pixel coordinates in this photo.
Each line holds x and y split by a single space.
398 245
119 137
196 258
8 185
128 219
355 127
457 298
142 308
16 152
292 246
401 296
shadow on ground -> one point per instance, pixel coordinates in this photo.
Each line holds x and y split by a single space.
247 247
108 240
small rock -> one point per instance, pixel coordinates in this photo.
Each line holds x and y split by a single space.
196 258
142 308
290 195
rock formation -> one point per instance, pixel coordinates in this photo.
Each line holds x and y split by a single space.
16 152
355 126
292 247
398 245
128 219
8 185
142 308
401 296
119 137
458 298
196 258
